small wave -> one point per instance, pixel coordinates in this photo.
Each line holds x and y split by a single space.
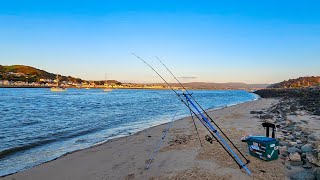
28 122
25 147
15 150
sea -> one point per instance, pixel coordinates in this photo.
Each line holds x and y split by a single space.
37 125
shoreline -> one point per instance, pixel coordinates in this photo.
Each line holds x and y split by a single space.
209 110
135 88
116 141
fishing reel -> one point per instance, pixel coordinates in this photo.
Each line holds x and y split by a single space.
209 139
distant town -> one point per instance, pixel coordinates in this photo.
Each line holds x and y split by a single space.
47 83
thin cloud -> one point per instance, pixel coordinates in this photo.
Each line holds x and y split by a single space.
188 77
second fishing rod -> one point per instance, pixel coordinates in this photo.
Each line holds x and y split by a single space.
204 121
248 161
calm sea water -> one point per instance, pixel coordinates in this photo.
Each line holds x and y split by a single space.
37 125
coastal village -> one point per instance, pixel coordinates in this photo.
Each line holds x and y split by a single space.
47 83
19 79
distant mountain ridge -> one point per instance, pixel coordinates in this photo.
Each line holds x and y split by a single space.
209 85
298 82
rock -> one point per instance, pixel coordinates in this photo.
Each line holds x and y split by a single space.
293 150
256 112
299 142
296 163
307 165
305 175
292 143
298 133
317 112
295 156
307 148
312 137
317 173
293 108
284 131
291 137
266 116
304 155
313 159
283 143
288 167
283 149
298 146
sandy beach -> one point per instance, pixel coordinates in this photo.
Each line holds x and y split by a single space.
181 155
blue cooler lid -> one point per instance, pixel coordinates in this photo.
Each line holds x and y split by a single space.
260 139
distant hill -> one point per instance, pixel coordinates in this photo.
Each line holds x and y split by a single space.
298 83
31 74
208 85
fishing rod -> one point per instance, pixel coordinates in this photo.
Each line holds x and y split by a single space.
202 109
204 121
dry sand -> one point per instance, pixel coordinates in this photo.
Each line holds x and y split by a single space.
180 157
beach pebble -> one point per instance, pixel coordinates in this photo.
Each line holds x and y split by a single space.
307 148
288 167
298 133
283 143
313 159
292 143
296 163
293 150
299 142
312 137
291 137
307 165
317 173
305 175
295 156
317 112
256 112
267 116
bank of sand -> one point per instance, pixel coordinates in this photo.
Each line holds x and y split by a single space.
180 157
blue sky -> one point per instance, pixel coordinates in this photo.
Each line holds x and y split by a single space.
214 41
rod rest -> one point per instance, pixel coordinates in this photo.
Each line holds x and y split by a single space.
267 126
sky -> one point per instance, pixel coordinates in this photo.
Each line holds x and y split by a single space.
209 41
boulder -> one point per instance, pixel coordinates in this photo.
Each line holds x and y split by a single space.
312 137
293 150
313 159
307 148
295 156
305 175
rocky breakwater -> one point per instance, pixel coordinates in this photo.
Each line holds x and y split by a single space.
297 118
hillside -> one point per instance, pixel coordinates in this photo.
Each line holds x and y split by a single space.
298 83
31 74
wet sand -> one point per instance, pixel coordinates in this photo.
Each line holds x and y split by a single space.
181 155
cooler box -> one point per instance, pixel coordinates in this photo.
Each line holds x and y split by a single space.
264 148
